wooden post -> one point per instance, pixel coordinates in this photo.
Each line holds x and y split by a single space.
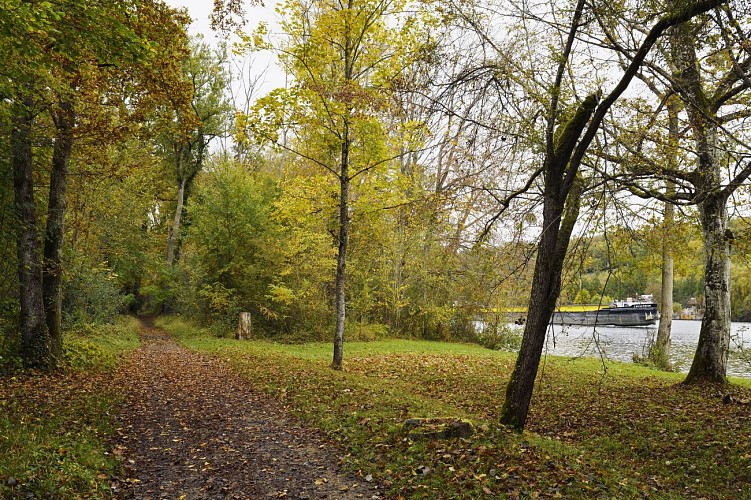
243 327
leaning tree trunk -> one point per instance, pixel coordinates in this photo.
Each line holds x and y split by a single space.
546 287
553 245
35 348
710 360
561 203
52 268
174 235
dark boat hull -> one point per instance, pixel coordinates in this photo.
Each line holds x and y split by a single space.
634 315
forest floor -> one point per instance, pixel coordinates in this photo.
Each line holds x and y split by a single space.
207 417
192 428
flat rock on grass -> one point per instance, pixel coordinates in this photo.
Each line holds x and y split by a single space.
191 428
438 428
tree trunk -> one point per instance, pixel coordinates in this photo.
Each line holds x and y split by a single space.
52 268
546 287
341 257
175 233
344 180
561 206
244 326
35 348
661 350
710 360
200 143
660 354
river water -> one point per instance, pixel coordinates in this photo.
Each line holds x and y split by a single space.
619 343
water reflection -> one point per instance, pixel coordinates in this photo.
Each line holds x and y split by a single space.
617 343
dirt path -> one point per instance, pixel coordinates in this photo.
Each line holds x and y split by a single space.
193 429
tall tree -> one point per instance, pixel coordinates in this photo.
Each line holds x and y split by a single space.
669 153
63 116
35 347
702 106
566 144
707 64
660 354
190 135
343 55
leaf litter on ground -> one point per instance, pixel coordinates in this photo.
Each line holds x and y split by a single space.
634 433
192 427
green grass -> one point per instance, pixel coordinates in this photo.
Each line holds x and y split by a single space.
55 428
100 346
614 431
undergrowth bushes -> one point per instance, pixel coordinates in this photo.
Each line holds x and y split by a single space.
99 346
91 293
500 337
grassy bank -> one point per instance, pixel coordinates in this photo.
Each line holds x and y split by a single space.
55 428
596 430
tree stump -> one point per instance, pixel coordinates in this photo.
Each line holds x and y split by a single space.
243 327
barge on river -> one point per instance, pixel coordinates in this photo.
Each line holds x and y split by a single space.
624 313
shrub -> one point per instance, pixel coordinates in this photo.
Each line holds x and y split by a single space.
91 294
366 332
499 337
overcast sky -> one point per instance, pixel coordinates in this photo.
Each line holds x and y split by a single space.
200 10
